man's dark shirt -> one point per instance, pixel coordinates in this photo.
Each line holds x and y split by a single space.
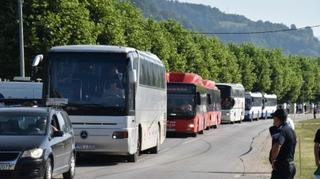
274 132
317 138
287 140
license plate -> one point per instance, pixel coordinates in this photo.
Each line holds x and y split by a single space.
171 130
85 147
5 166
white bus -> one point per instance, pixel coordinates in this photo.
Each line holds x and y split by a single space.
232 102
269 105
117 98
253 106
20 90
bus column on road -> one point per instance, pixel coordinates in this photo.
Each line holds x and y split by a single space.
186 103
117 97
253 106
232 102
213 117
269 105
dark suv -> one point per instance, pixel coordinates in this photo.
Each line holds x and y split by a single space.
36 142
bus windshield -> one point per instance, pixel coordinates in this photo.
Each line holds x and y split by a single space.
181 105
227 101
248 103
93 83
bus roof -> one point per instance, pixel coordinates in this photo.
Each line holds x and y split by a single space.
190 78
92 48
233 85
254 94
269 96
209 84
102 48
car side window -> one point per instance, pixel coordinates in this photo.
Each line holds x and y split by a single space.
54 125
67 121
62 122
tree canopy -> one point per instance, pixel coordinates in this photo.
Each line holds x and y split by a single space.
48 23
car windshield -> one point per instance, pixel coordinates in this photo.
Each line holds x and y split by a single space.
181 105
22 124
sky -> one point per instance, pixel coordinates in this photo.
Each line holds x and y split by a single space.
299 12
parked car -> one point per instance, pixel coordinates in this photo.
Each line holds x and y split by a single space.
36 142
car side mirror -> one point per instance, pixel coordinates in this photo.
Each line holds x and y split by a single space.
58 133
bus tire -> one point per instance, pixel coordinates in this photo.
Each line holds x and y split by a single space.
215 126
194 134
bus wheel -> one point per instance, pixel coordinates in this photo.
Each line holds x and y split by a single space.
155 149
194 135
215 126
201 132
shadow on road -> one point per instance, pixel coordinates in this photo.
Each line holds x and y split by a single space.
94 160
178 135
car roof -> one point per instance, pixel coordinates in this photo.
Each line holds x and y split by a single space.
40 110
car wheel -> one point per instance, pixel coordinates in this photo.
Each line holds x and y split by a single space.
72 170
48 173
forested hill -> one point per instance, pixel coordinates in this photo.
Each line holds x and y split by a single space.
207 19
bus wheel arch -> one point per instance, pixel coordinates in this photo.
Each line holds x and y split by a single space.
134 157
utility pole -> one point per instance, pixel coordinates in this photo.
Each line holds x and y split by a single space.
22 68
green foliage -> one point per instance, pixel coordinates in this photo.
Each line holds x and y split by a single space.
209 19
57 22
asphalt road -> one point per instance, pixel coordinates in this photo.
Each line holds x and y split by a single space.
218 153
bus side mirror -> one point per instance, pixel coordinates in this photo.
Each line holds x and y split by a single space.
233 102
35 64
198 98
37 60
133 76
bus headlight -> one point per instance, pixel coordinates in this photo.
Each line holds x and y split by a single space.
120 135
34 153
191 125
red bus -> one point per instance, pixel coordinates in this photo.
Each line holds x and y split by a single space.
213 116
186 105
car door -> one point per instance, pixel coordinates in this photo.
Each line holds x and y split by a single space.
57 144
67 139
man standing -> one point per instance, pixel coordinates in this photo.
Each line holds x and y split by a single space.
317 151
283 149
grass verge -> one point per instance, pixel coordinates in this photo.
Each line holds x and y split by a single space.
306 131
